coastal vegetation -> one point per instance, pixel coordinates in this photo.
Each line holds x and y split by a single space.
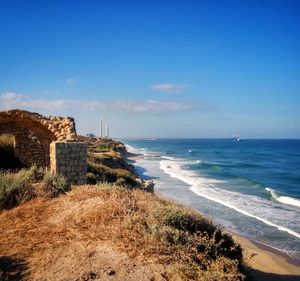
100 173
27 184
178 242
106 229
107 164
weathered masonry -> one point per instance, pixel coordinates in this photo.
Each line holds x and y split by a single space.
34 135
69 159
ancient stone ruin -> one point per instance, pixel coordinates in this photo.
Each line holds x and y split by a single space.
69 159
34 135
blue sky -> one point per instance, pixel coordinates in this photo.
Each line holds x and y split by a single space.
155 68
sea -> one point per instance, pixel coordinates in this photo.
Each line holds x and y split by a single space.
251 187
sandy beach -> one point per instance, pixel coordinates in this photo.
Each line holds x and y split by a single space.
268 263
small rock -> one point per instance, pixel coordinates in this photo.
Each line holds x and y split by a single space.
89 276
111 271
164 275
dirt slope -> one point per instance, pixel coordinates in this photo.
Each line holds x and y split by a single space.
106 233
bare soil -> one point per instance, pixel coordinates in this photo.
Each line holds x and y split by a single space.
47 237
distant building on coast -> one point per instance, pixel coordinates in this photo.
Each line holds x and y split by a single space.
90 135
106 130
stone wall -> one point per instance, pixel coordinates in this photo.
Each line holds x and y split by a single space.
54 127
69 159
33 134
47 141
28 148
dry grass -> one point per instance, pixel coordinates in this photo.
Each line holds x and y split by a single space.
145 227
54 239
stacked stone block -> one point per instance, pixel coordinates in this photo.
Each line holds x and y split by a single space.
69 159
29 149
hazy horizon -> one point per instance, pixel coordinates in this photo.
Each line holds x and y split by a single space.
156 69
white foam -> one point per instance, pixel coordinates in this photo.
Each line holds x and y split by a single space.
284 199
252 206
168 157
244 212
136 150
174 169
132 149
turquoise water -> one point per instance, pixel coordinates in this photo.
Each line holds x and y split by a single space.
251 187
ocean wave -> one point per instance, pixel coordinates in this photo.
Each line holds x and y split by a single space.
206 164
136 150
252 206
132 149
244 212
283 199
175 170
167 157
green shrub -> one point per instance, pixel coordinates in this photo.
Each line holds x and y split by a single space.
180 226
14 187
181 219
55 184
102 146
17 188
99 173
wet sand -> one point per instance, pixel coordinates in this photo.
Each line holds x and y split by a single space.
267 263
132 157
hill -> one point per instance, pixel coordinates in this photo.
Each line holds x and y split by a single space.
110 229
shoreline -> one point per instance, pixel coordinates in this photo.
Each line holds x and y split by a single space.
266 263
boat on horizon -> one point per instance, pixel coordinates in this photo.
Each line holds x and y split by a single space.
237 137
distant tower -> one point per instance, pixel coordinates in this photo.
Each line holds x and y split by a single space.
107 130
101 128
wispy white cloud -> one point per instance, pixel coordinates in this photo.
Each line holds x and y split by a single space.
169 88
154 106
11 100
